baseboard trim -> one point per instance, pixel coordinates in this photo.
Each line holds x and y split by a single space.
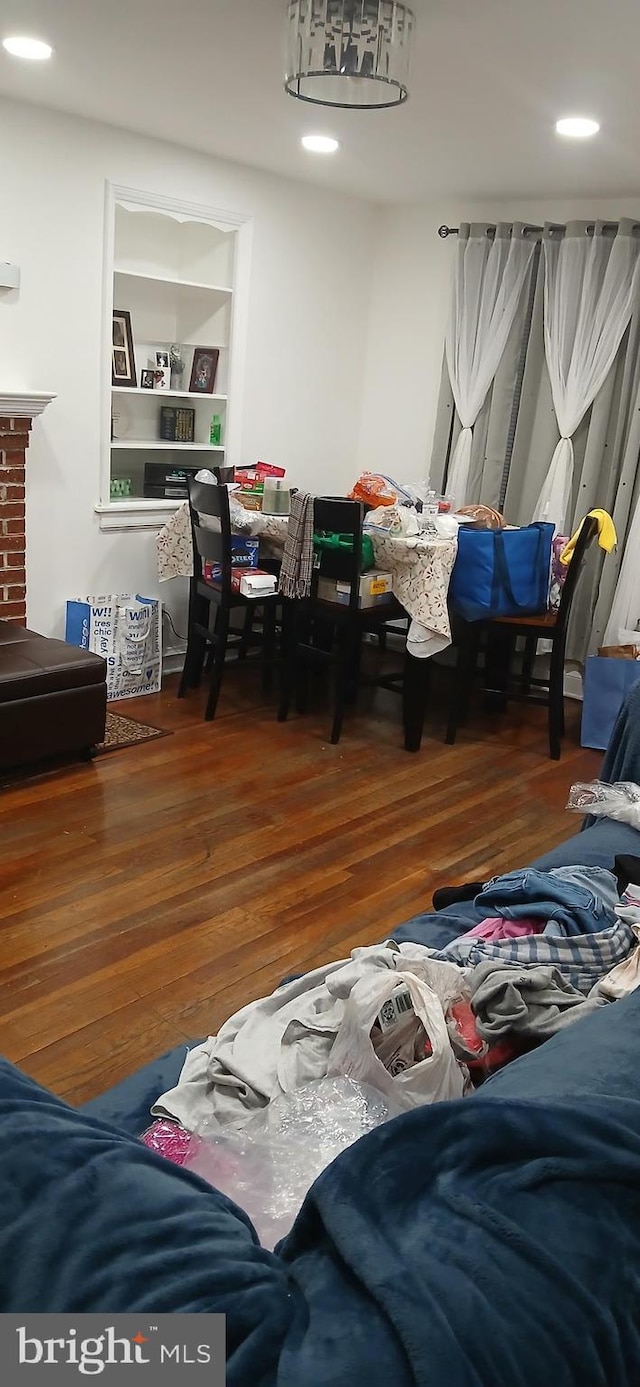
573 684
173 659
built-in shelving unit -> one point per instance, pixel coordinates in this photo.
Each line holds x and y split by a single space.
180 273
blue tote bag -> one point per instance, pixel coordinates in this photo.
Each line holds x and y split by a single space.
501 572
606 684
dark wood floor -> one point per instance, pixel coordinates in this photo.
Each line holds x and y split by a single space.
147 896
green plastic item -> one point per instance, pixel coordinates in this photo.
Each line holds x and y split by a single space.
120 487
333 542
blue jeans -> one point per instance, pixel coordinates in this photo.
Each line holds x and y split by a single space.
580 899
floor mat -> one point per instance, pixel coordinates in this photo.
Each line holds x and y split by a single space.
121 732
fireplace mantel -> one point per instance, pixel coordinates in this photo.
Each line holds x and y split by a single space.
24 404
18 408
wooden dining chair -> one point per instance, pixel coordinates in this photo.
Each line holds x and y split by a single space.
212 603
502 634
326 633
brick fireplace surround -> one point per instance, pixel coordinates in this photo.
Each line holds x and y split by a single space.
17 412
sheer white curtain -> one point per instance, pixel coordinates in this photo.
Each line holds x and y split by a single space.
489 277
591 282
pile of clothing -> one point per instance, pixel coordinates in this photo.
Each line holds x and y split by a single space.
552 947
427 1024
290 1081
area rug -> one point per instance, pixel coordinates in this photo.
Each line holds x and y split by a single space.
121 732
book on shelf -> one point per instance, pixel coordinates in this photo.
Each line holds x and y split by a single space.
177 424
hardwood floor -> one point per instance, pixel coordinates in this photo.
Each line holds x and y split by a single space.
148 895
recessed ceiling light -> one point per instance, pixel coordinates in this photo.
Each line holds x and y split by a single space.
578 127
27 48
320 144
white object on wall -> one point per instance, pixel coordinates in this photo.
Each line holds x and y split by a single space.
9 276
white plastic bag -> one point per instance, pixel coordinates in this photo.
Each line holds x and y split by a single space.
620 801
430 1080
268 1166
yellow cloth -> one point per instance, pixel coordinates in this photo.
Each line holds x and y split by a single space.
607 537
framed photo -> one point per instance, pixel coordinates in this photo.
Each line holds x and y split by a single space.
203 370
162 359
146 380
123 365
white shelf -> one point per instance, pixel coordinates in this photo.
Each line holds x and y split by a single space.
176 283
167 394
135 514
151 445
207 346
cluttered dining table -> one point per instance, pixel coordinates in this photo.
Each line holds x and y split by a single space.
414 541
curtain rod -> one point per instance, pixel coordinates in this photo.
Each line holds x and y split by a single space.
444 231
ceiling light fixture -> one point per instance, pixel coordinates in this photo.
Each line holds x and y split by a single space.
320 144
22 47
348 53
577 127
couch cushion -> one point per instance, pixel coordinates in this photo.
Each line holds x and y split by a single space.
10 632
92 1220
40 665
597 846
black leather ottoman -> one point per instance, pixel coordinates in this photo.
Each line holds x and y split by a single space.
53 697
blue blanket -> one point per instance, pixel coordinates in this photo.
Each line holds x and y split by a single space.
493 1242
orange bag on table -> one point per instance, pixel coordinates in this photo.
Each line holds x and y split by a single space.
373 491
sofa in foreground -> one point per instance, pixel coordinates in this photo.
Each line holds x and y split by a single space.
490 1242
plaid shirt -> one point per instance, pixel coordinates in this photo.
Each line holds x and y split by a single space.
582 959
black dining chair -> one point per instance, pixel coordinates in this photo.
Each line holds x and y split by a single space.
500 636
322 632
213 602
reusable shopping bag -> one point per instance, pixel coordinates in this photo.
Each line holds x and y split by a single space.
501 572
606 684
127 632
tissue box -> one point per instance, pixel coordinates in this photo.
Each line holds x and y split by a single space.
256 582
374 589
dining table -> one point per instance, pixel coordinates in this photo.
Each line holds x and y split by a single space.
420 567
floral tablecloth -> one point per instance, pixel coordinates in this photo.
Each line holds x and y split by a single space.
420 568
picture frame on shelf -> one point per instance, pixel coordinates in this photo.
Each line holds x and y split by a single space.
162 378
146 379
203 370
162 360
123 364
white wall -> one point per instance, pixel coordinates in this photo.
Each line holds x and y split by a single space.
408 311
309 293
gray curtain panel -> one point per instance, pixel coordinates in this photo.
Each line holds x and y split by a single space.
516 434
